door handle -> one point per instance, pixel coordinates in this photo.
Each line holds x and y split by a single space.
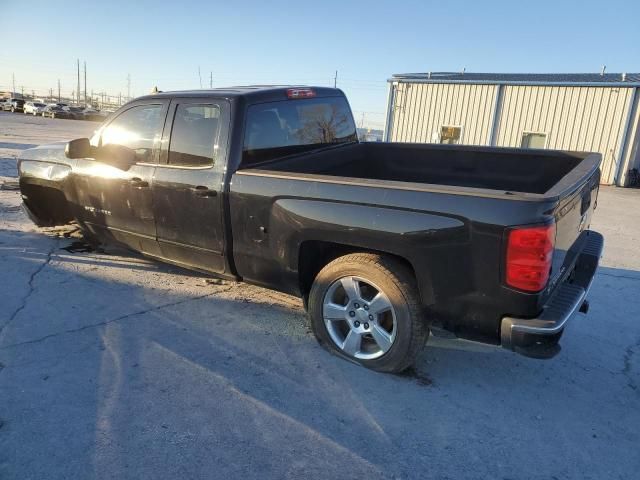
202 191
138 183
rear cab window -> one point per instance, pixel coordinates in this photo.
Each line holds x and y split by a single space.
278 129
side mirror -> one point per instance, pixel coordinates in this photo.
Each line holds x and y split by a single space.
116 155
78 148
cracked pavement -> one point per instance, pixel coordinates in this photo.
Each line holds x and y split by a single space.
114 366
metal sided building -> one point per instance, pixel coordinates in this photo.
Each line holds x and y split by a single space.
580 112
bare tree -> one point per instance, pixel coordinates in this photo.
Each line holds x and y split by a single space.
321 124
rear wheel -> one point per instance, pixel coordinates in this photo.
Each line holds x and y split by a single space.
366 308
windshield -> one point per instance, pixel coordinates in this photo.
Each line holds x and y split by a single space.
277 129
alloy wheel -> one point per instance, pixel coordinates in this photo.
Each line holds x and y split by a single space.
359 318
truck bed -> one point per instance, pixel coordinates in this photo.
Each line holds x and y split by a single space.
506 170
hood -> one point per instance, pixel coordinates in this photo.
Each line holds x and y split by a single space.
52 153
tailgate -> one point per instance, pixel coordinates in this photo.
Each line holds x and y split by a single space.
573 217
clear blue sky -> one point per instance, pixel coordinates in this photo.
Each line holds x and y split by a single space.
242 42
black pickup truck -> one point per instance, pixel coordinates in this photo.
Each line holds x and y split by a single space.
383 241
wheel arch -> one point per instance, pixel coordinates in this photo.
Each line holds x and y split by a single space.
314 255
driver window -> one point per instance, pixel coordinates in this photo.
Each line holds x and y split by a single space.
138 128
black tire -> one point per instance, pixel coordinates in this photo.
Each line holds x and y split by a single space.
397 282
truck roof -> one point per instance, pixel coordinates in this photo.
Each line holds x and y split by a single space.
252 93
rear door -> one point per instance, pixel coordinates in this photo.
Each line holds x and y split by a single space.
188 184
115 202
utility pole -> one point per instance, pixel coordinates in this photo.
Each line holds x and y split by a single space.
335 80
128 87
13 79
78 90
50 94
210 79
200 76
22 91
85 83
58 90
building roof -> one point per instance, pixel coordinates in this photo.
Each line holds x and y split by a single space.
575 79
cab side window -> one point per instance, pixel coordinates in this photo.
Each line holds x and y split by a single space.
138 128
194 135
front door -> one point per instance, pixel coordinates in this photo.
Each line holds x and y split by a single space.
117 203
188 184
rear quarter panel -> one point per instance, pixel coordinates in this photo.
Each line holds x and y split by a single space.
453 242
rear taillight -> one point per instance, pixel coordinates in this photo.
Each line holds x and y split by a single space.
529 255
300 93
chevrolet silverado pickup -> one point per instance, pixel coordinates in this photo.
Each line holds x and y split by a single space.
384 242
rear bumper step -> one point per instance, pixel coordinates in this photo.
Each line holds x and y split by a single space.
538 337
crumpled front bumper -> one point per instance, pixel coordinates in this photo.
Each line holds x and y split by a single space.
538 337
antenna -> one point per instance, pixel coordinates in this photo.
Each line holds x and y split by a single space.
335 80
199 76
210 79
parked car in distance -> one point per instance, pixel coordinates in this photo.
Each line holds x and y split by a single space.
56 111
34 108
13 105
77 113
64 106
382 241
94 115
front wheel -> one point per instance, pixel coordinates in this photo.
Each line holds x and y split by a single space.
366 308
